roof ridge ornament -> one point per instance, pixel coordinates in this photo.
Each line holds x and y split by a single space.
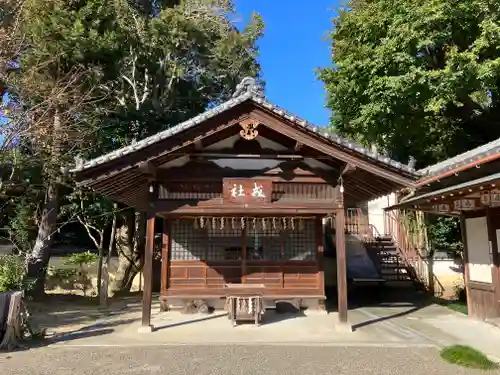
412 162
79 161
249 85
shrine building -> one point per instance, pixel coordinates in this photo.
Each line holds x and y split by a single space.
243 192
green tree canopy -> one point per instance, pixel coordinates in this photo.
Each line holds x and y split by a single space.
419 78
91 75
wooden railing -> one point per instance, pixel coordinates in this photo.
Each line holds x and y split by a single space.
357 223
410 244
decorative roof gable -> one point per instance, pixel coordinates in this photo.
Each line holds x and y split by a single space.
248 89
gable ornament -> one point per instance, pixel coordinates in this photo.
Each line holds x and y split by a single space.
249 129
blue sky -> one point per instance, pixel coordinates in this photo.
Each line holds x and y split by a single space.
292 48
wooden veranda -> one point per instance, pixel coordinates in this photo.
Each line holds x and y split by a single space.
242 190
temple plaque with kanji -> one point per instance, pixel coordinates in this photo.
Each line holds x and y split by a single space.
249 190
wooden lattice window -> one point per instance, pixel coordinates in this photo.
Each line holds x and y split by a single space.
300 244
188 243
224 243
263 243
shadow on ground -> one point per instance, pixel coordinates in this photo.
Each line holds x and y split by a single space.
407 299
66 317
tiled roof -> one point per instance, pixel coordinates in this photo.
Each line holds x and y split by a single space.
468 157
246 90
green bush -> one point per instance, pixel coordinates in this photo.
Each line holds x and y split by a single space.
12 273
74 275
81 259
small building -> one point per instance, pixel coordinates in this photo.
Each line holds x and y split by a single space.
468 186
242 191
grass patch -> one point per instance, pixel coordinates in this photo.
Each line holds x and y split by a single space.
466 356
458 306
455 305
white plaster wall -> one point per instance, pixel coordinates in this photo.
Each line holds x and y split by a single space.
376 212
478 247
442 268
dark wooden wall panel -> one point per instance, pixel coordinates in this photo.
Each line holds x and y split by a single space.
279 277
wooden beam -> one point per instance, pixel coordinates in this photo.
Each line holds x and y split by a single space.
165 250
348 169
148 169
341 266
212 128
285 172
186 207
320 260
298 146
148 274
198 145
327 148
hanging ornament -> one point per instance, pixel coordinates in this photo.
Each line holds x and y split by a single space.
264 223
233 223
292 223
242 223
284 223
202 222
254 223
221 223
258 225
214 223
274 223
195 224
301 225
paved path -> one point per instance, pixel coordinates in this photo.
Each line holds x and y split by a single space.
228 360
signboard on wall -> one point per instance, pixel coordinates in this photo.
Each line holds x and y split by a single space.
247 190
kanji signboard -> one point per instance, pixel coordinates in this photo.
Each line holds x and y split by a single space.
245 190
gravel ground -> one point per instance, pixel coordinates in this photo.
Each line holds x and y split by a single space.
227 360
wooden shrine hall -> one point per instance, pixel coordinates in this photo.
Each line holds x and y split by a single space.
242 191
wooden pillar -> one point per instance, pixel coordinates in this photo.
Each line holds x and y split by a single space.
466 262
148 274
320 261
341 265
244 255
492 237
165 250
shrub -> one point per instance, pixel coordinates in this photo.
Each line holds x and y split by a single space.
81 259
74 275
12 273
460 293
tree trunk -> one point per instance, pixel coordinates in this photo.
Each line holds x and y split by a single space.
99 263
38 260
105 274
130 247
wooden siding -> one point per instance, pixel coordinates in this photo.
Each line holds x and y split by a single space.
482 297
482 301
204 274
282 192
